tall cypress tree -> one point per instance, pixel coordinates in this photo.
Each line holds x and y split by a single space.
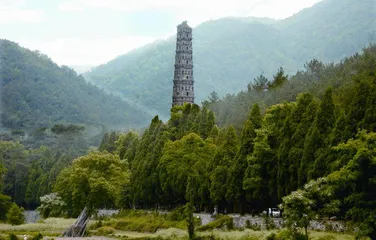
235 192
369 121
312 142
358 107
260 175
222 163
325 121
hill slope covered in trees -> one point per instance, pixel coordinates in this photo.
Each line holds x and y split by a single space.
36 93
229 53
311 142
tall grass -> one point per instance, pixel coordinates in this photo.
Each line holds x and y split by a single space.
143 221
50 224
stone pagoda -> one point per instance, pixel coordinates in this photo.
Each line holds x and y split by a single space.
183 91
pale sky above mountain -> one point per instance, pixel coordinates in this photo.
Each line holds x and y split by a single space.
92 32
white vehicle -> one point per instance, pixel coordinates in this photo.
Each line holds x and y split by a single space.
274 212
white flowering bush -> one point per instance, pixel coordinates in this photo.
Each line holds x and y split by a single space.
51 206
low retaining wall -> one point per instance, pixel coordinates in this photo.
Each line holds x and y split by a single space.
258 222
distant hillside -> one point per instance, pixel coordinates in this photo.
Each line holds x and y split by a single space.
81 68
36 93
229 53
331 30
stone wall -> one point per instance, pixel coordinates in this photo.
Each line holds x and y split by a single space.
258 222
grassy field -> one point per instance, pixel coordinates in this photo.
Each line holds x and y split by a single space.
49 227
178 234
138 225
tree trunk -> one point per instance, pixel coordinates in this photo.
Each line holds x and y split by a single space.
306 231
79 226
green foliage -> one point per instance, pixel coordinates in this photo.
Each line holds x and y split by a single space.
278 80
5 204
30 173
272 236
143 221
181 160
15 215
268 221
259 84
189 210
221 221
12 236
95 180
39 236
60 128
109 142
298 212
37 93
105 231
259 178
51 206
233 109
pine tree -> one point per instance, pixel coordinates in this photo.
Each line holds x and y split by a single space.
15 215
279 79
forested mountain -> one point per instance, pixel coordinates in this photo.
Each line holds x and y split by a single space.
229 53
314 134
37 94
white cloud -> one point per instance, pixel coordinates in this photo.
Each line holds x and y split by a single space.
94 51
16 15
12 11
198 11
280 9
207 6
90 51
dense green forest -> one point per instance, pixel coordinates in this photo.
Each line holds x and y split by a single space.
315 79
36 94
229 53
316 152
321 140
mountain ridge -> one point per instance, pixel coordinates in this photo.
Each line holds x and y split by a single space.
229 53
37 93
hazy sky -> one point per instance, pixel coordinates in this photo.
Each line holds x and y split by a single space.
81 32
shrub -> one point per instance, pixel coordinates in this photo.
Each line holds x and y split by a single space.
271 236
105 230
288 235
269 223
177 214
51 206
12 236
95 225
221 222
326 237
284 235
39 236
253 226
15 215
209 237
